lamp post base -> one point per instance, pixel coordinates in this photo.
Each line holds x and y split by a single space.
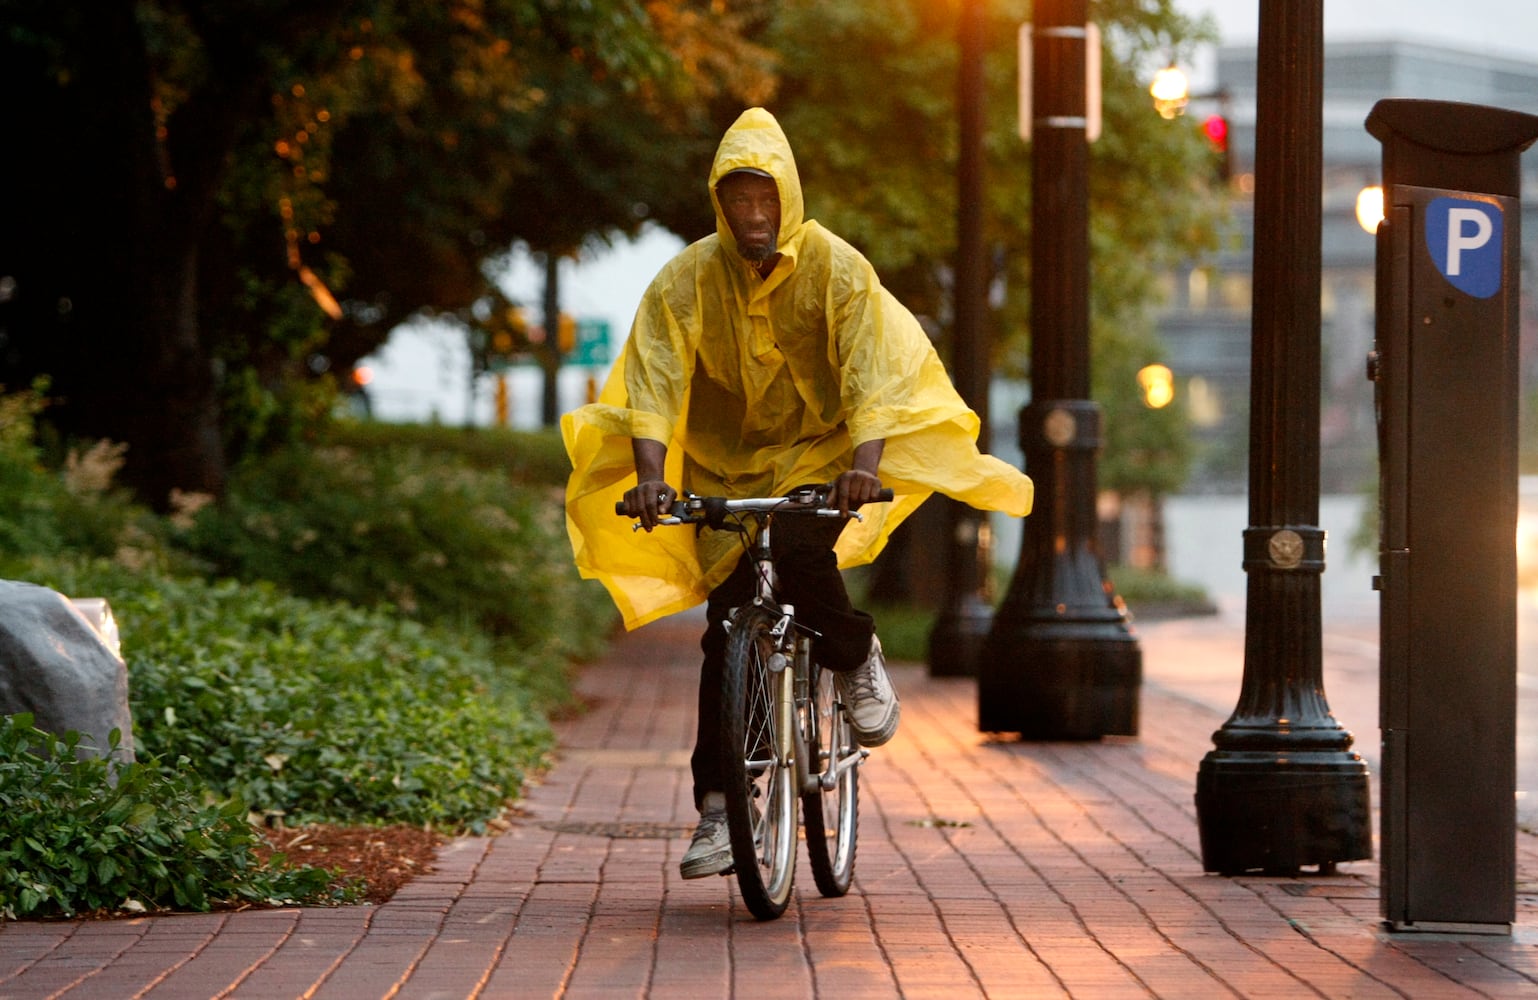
1060 681
1278 811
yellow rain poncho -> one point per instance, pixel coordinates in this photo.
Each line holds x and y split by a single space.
759 385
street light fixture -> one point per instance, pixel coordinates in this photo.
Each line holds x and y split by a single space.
1158 384
1369 208
1060 661
962 626
1281 787
1171 91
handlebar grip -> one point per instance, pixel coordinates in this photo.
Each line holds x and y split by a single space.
619 507
885 495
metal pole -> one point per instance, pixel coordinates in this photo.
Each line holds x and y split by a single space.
1282 788
962 627
1060 661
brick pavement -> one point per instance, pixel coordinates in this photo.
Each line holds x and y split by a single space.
987 868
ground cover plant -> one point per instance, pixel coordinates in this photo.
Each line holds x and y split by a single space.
311 711
82 834
352 728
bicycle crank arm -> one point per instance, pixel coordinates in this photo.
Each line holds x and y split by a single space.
829 778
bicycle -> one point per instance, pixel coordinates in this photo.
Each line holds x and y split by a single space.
784 729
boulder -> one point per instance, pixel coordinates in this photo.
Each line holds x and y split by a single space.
56 665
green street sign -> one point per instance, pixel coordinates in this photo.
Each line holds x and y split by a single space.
592 346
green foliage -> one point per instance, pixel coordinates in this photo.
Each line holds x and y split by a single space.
396 525
1146 450
879 166
531 458
904 630
275 186
1146 586
403 150
82 835
323 712
72 508
313 710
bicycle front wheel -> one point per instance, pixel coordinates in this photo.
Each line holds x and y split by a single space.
832 810
757 710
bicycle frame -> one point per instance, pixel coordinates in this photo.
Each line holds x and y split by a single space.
793 648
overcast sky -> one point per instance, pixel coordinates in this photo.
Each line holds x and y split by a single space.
1501 27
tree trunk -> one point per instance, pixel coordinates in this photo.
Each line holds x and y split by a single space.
103 263
550 409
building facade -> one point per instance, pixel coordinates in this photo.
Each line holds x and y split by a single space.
1206 325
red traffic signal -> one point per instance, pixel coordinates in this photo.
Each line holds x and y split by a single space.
1215 128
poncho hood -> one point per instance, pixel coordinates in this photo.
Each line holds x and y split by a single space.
756 142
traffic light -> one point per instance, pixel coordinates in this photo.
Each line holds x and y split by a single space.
1215 131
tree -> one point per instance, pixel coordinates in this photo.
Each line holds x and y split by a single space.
878 163
215 200
106 209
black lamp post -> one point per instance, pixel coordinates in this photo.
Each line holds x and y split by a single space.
1060 661
1282 788
959 632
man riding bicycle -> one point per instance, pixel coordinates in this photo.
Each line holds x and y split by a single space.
765 357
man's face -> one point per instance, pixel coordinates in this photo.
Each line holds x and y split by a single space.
751 205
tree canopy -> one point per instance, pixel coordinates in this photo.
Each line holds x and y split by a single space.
211 202
877 154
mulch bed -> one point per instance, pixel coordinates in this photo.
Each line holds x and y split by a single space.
383 857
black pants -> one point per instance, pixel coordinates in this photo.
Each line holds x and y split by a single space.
810 580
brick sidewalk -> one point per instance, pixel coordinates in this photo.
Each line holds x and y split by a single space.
986 869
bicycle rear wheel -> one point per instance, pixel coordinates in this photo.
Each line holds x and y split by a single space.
757 711
832 812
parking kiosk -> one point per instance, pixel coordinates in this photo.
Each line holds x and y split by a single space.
1445 373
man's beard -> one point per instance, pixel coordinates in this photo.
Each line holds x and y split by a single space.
757 253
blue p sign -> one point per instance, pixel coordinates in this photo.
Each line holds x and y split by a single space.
1464 239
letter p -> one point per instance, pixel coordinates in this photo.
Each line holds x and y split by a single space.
1459 241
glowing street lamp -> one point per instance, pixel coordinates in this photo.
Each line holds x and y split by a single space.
1369 208
1158 384
1171 91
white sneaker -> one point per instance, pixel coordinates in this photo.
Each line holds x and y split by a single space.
710 851
869 698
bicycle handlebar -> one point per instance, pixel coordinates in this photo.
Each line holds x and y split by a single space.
691 508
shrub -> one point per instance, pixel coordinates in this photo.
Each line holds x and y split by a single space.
316 710
532 458
86 835
425 533
1150 586
321 711
75 508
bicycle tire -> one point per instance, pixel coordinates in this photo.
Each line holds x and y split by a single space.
831 815
757 713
